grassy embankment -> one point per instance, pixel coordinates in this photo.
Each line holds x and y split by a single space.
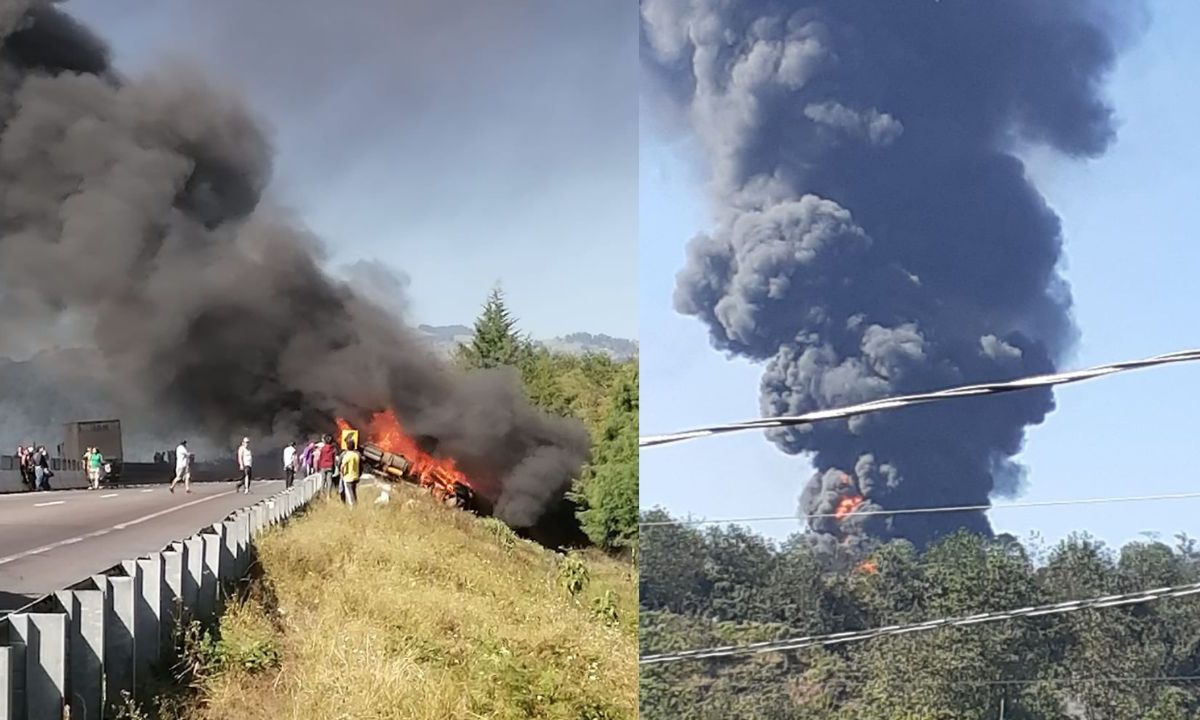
413 610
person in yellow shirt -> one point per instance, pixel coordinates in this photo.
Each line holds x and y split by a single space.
349 467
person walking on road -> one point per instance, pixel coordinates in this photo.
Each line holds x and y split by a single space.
350 467
245 459
289 464
94 461
183 468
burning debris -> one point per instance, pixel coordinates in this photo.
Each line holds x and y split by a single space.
846 505
140 196
876 233
868 567
392 453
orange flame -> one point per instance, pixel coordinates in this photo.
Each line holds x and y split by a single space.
847 505
385 431
869 567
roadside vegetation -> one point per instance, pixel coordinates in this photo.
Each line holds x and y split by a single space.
414 610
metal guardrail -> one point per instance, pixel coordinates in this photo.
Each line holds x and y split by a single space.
72 654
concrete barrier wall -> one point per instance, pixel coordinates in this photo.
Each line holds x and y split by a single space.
131 474
73 653
10 480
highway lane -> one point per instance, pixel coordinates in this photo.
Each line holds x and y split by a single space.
49 540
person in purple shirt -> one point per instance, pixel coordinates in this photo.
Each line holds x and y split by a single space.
306 458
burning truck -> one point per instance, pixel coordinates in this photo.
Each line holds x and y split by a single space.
392 455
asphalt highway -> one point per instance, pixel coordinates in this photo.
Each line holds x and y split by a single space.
49 540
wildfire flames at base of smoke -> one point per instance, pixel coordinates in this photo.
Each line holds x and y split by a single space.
385 432
846 505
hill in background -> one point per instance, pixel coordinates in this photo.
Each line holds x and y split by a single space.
445 338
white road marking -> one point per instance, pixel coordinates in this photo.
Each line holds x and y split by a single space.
105 531
148 490
52 502
110 495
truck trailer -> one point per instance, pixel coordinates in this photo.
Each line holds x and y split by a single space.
104 435
395 466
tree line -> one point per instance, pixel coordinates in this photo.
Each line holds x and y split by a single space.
594 388
725 585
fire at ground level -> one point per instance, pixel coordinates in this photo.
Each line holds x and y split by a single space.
392 455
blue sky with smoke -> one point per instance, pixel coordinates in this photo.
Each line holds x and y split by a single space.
1128 222
461 143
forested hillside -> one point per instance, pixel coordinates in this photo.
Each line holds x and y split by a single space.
719 586
592 387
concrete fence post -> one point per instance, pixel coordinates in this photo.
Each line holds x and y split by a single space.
148 614
232 554
85 650
172 613
222 532
242 527
193 572
120 647
44 637
211 581
7 659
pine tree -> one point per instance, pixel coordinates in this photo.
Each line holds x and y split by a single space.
496 342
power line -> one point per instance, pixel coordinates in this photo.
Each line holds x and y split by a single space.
860 675
924 510
893 403
1077 680
798 643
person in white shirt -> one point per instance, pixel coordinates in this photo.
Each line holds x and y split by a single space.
183 468
245 459
289 464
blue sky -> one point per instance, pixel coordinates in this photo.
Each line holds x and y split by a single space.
463 144
1129 221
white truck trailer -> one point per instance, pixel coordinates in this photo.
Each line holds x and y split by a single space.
104 435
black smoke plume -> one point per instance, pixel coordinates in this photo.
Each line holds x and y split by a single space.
130 222
876 232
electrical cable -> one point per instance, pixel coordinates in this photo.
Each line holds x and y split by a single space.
902 401
797 643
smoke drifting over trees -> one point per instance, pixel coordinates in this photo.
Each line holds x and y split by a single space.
130 222
876 232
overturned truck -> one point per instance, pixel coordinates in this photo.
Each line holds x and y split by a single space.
446 486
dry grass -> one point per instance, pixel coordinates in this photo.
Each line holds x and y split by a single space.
412 610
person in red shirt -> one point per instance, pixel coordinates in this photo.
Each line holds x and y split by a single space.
326 457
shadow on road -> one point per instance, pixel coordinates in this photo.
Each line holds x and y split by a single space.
13 601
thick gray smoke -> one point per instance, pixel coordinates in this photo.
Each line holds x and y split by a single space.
130 220
876 233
